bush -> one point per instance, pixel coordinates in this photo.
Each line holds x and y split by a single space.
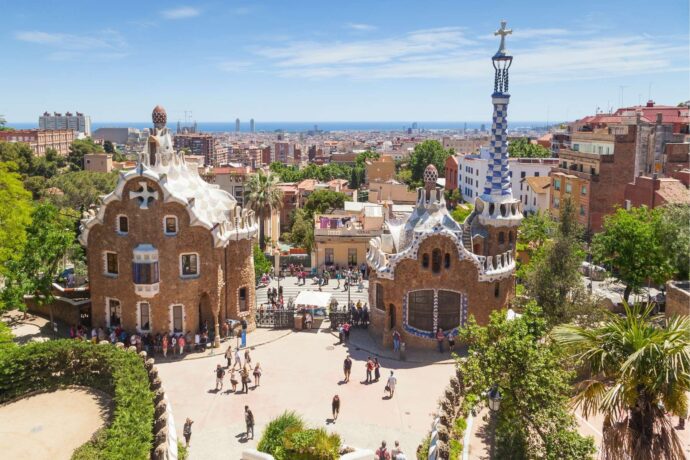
423 449
51 365
286 438
182 452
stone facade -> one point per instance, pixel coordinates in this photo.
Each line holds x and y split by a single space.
167 242
677 298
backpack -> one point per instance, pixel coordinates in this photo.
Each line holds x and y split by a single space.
382 453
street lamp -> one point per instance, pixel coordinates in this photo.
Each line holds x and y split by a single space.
494 399
276 255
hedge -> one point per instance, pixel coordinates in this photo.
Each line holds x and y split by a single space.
55 364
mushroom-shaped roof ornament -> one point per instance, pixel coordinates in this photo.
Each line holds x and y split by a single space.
430 177
159 117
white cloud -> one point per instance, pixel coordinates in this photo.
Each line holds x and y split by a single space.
359 26
447 53
182 12
104 45
520 34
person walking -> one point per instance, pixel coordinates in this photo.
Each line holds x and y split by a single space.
249 421
233 380
220 373
347 368
257 374
451 341
173 345
440 337
370 368
165 346
238 360
335 407
382 452
244 376
187 431
377 370
390 385
247 359
228 356
180 343
397 453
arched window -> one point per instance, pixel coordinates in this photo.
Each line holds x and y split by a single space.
496 290
436 260
379 297
501 238
425 261
421 310
446 261
510 236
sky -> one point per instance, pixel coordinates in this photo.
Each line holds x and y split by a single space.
337 61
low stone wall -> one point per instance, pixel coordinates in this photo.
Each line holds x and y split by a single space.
677 298
63 310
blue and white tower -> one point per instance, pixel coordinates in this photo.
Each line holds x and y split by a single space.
497 207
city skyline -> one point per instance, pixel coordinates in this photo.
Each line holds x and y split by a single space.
375 62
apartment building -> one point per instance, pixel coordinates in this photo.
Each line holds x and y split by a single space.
77 122
41 140
202 144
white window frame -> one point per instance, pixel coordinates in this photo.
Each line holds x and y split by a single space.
165 227
171 312
117 224
140 326
198 265
107 310
105 264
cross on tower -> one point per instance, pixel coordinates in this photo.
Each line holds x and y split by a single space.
145 195
503 32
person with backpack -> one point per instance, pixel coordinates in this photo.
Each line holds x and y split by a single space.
390 385
244 375
397 453
370 369
249 421
382 452
220 373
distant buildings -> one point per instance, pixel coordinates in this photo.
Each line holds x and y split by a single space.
120 136
203 144
251 126
41 140
535 193
98 162
237 125
380 170
76 122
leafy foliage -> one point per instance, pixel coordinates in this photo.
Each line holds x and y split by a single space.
81 189
50 237
534 420
54 364
302 230
262 196
674 235
261 263
461 212
6 336
321 201
18 153
536 229
287 438
15 215
424 154
638 370
78 149
523 148
631 243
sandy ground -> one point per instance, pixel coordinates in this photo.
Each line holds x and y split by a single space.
51 425
302 371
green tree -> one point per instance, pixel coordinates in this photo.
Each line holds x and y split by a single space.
50 237
78 149
536 229
424 154
321 201
523 148
552 278
15 215
638 366
18 153
36 185
674 233
631 243
108 147
453 197
362 158
81 189
263 196
302 231
261 263
513 356
461 212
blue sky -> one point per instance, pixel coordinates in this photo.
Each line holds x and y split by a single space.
336 61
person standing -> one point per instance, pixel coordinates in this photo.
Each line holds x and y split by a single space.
181 343
440 337
249 421
396 340
233 381
228 356
370 368
257 374
238 360
165 346
220 373
335 407
247 359
244 375
173 345
347 368
187 431
377 370
390 385
382 453
397 453
451 341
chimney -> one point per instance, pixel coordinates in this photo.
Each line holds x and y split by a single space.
650 103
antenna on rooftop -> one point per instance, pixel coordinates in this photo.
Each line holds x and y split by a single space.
622 87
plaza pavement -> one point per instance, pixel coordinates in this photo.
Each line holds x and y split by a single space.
291 289
302 371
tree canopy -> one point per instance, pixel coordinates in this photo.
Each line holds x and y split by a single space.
321 201
523 148
262 195
80 189
78 149
15 215
424 154
631 243
674 234
534 420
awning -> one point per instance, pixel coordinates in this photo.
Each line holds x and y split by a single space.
313 299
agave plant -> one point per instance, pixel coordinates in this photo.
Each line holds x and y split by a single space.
639 369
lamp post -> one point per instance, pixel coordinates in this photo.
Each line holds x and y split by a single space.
494 399
276 255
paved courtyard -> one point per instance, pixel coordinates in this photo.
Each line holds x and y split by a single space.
302 371
291 289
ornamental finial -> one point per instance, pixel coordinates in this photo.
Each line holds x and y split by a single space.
503 32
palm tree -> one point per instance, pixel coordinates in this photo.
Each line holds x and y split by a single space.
262 196
640 368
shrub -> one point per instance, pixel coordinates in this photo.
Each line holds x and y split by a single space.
54 364
286 438
182 452
272 437
423 449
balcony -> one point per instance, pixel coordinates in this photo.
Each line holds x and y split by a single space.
578 174
346 231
